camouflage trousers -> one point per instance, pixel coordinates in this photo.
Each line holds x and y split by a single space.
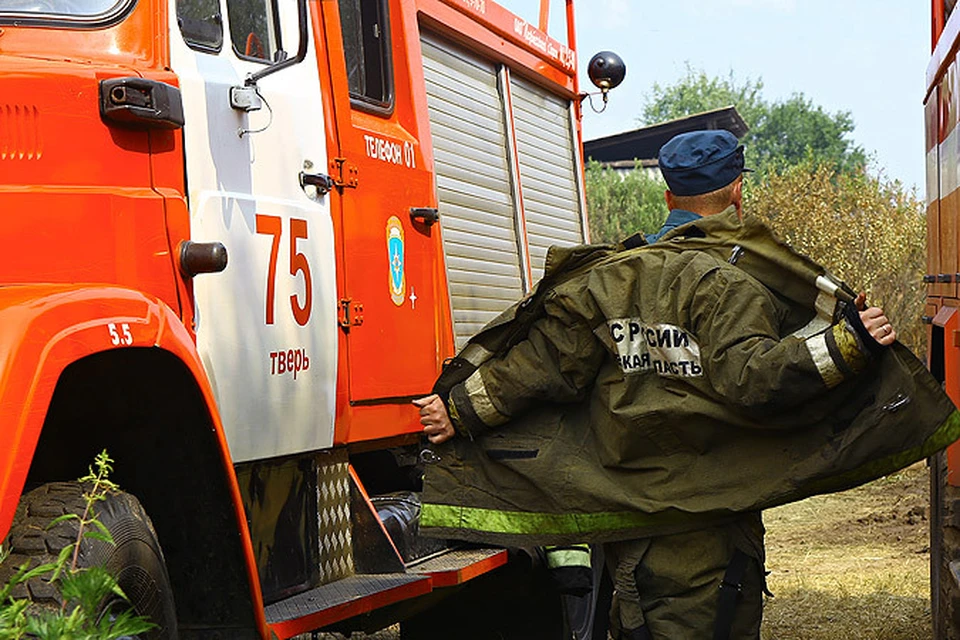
671 584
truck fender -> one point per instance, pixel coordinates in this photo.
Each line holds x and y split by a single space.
47 327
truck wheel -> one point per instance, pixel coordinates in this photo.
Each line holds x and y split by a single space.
135 559
944 551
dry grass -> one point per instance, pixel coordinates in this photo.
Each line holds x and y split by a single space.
853 565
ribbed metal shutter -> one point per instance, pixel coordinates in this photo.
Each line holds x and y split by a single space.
474 188
548 171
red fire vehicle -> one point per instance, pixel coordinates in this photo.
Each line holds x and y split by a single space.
943 303
384 175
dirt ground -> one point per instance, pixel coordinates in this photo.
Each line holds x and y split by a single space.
852 565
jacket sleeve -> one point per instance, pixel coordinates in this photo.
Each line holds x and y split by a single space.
556 362
746 361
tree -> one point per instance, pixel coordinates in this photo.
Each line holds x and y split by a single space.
621 204
696 92
782 133
796 130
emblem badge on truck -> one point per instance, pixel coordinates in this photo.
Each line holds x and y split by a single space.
398 280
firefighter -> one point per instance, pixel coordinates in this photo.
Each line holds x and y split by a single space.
704 173
715 574
657 359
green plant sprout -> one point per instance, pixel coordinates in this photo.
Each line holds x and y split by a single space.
83 614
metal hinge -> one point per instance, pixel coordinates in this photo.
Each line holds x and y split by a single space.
344 173
350 314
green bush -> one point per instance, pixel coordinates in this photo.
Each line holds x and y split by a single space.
869 231
623 203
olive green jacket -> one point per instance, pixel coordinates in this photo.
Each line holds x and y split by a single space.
667 387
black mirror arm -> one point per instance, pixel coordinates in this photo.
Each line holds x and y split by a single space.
289 62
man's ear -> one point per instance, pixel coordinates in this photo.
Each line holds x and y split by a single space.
668 196
736 196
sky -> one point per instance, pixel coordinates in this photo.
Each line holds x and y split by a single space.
867 58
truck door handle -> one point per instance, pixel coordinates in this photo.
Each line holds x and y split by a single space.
426 215
140 102
321 181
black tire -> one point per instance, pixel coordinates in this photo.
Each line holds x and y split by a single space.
134 560
944 551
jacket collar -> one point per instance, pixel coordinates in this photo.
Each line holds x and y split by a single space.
676 218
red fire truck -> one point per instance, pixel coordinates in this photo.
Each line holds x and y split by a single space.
943 302
384 176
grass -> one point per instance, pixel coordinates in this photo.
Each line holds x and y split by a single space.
852 565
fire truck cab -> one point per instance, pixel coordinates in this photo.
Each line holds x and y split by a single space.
240 236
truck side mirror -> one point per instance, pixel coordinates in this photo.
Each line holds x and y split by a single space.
247 97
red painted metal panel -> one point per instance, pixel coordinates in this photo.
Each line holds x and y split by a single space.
936 25
503 24
388 262
78 194
947 318
134 41
93 203
946 44
79 201
47 327
504 38
88 202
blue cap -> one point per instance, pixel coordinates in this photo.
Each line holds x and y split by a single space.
699 162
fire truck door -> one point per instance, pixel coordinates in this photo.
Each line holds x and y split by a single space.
387 205
267 327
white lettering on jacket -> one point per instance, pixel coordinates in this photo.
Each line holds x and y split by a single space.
666 349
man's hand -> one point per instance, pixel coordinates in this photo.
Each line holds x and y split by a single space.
875 322
433 416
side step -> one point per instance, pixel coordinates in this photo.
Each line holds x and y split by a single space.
341 600
362 593
459 565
